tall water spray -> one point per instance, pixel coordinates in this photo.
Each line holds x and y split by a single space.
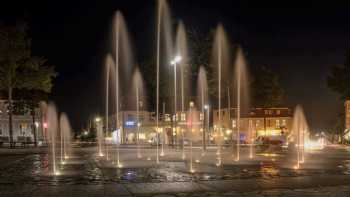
124 60
52 128
138 94
202 92
110 71
220 61
182 57
299 134
242 95
100 136
66 136
163 31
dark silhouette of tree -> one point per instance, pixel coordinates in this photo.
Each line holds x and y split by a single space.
339 79
19 69
265 88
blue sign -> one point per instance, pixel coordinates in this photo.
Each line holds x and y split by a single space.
130 124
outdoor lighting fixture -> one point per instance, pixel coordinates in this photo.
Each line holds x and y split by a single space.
191 104
176 60
45 125
206 107
36 124
98 119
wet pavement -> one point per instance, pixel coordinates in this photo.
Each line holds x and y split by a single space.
28 172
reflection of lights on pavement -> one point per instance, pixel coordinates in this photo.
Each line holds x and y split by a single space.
314 145
120 165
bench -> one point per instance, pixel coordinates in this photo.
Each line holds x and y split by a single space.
23 140
4 139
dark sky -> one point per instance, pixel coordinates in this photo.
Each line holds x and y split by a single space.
300 41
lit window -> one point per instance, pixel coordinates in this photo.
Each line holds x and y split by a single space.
266 112
234 123
183 117
278 112
277 123
284 122
201 116
257 123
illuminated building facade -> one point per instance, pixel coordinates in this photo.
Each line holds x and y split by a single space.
23 125
261 121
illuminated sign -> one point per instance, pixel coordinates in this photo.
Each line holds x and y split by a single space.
130 124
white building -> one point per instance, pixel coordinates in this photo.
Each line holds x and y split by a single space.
22 125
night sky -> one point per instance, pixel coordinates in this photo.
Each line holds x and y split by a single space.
300 41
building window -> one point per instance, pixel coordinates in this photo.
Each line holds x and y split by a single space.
270 112
277 123
223 112
284 122
0 130
217 113
278 112
201 116
234 123
183 117
266 112
22 128
257 123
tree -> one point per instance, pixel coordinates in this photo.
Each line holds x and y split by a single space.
19 69
265 88
339 78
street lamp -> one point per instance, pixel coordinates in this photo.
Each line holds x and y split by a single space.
174 62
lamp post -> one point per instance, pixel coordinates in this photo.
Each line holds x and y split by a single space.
174 62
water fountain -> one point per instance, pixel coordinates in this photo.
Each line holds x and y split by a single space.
251 139
137 86
163 31
65 132
100 136
182 60
110 70
124 57
190 130
299 134
220 61
52 128
202 90
242 95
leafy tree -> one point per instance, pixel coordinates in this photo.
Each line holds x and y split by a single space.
339 78
19 69
338 129
265 88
